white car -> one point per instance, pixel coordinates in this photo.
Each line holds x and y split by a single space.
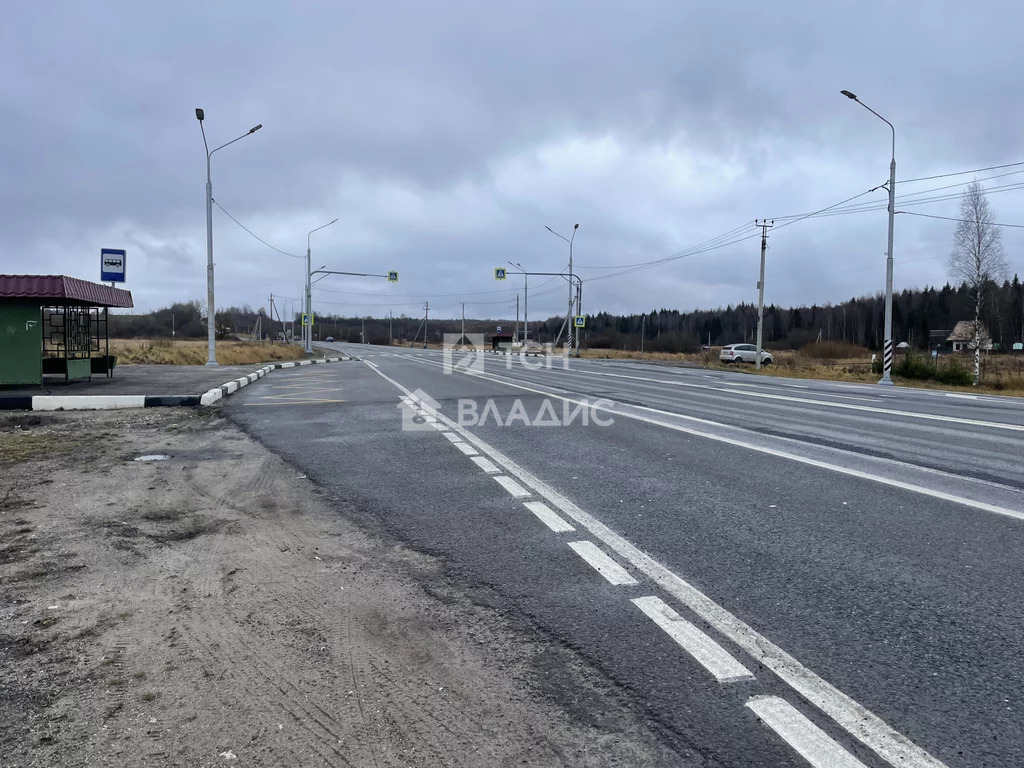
744 353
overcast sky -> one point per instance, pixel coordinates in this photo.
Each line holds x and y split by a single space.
446 135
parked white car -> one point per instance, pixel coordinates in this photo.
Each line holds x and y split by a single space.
744 353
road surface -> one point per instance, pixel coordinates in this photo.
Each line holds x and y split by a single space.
776 572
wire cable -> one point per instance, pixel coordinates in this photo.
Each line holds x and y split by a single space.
271 247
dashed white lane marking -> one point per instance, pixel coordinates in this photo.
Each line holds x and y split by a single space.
452 436
548 516
713 657
812 743
374 365
469 450
485 464
511 486
863 724
614 573
962 397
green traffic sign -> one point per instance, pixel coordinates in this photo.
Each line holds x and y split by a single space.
393 277
499 273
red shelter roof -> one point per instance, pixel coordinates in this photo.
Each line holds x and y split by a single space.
61 289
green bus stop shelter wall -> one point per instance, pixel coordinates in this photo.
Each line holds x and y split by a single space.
21 342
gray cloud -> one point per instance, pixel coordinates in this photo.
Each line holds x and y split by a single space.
447 135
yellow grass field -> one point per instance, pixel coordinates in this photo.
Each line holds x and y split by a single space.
193 352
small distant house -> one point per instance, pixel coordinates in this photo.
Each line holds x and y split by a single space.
962 337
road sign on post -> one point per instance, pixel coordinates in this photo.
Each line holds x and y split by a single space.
499 273
307 319
580 321
112 265
393 277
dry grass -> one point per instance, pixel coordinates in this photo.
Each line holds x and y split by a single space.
193 352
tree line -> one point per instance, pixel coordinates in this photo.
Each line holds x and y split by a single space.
918 317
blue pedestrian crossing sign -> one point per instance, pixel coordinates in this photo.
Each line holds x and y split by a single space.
499 273
393 276
307 319
580 321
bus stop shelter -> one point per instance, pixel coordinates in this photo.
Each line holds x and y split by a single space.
55 325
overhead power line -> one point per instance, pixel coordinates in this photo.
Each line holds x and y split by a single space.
950 218
960 173
271 247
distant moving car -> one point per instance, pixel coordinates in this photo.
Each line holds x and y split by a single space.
329 339
744 353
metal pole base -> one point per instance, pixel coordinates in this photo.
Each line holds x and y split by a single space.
212 363
886 382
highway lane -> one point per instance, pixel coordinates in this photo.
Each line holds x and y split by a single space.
908 604
965 435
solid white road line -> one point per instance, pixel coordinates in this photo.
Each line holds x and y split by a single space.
485 464
469 450
863 724
548 516
845 406
713 657
812 743
614 573
515 489
877 478
451 436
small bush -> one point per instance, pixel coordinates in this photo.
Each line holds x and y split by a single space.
954 372
876 366
914 367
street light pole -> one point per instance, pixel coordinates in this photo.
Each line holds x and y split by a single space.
569 322
526 301
307 330
887 348
211 313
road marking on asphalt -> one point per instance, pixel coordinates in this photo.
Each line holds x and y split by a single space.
860 474
846 406
469 450
452 436
863 724
709 654
485 464
613 573
962 397
515 489
810 742
547 516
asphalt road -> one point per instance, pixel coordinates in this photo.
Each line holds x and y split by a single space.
777 572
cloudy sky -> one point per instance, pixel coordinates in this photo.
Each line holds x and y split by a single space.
445 135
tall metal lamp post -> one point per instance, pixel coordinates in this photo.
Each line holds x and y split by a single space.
211 313
569 321
887 349
307 328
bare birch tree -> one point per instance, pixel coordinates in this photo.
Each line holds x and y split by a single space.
977 258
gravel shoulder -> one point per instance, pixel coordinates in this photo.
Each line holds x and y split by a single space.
216 609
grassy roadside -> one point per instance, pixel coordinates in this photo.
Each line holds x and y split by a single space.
193 352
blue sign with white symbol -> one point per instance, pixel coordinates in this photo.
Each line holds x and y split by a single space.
392 276
499 273
580 321
112 265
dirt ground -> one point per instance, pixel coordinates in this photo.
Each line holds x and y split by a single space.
215 609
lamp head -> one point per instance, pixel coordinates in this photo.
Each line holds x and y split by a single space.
200 114
849 94
255 128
